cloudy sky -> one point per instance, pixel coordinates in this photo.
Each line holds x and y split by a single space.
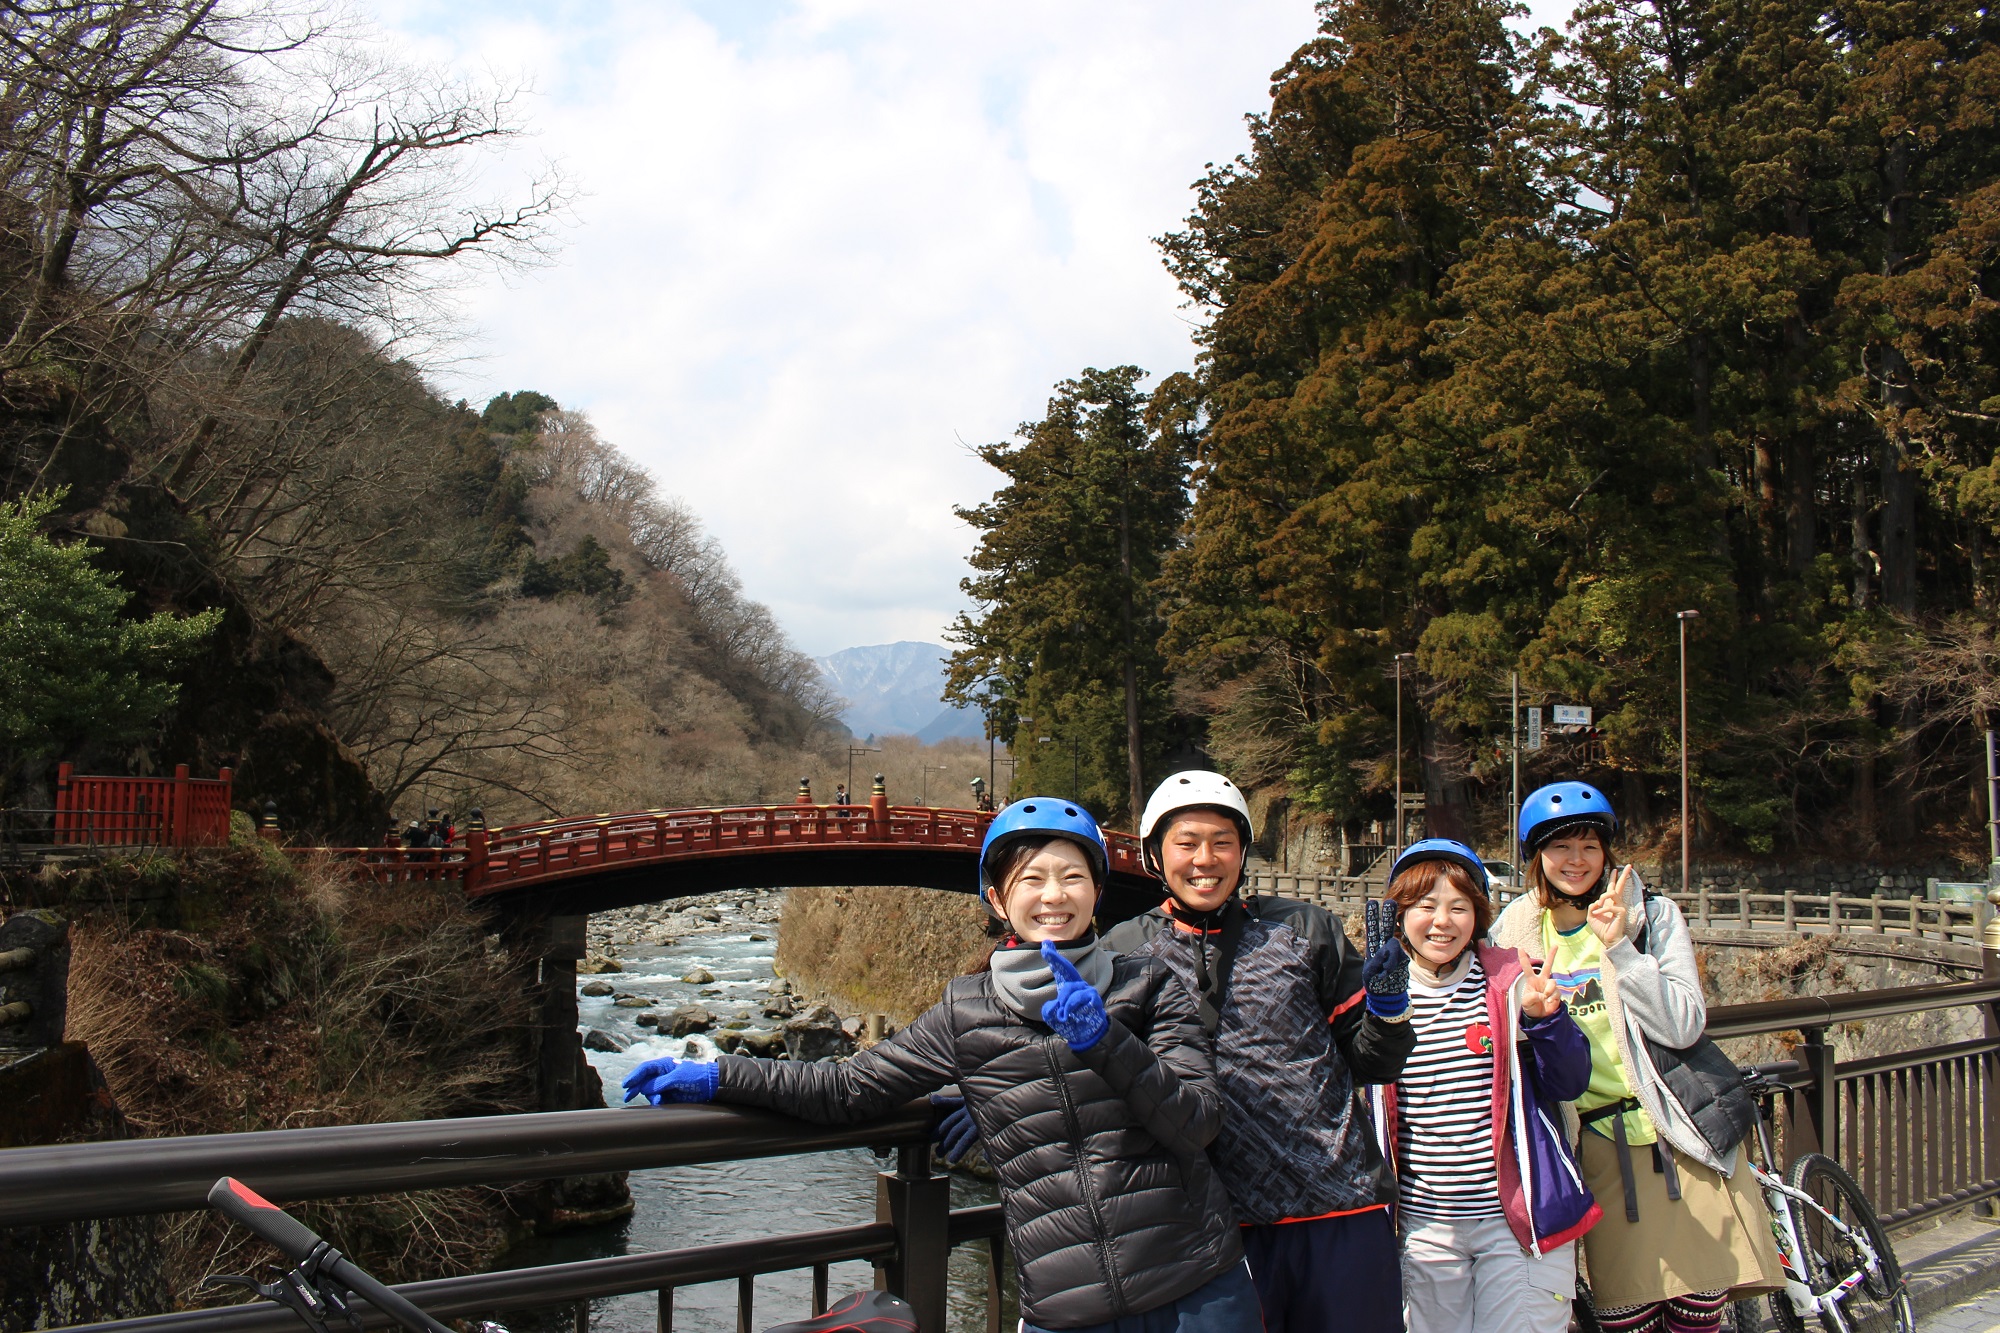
822 246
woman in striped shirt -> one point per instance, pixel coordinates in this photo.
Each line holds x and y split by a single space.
1489 1216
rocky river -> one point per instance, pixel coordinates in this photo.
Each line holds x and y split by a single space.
692 978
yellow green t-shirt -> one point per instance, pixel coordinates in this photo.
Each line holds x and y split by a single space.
1576 960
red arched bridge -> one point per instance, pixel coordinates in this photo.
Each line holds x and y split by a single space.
593 863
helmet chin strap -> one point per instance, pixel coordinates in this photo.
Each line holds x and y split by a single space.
1589 896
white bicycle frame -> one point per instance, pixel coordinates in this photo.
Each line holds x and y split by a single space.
1780 1199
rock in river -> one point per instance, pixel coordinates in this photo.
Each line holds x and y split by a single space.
689 1018
699 976
633 1002
597 1039
595 989
780 1006
761 1042
598 963
816 1034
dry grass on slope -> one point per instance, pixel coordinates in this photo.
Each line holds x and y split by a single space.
879 950
301 1002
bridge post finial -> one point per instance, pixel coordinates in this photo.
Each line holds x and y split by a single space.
878 809
805 796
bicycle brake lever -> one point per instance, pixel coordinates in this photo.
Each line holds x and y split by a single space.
296 1293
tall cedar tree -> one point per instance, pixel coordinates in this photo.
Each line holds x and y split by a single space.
1516 351
1066 642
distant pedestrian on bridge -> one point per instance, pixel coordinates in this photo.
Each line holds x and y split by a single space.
1092 1084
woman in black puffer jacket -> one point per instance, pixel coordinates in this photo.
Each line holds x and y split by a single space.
1093 1086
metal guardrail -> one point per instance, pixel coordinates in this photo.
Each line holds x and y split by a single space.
1743 909
1919 1129
910 1241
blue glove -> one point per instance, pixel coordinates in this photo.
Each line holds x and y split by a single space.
958 1133
1386 973
669 1080
1077 1013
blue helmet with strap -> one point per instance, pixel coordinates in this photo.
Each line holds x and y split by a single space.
1444 849
1042 817
1558 808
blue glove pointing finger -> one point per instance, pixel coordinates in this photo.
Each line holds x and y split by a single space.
1077 1013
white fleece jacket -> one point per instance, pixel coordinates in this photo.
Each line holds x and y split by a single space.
1655 994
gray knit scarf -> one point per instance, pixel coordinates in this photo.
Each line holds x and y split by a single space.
1025 984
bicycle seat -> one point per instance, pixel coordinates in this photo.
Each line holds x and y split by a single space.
859 1312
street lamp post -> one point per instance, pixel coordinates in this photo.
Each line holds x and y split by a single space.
1687 883
929 769
1400 659
1514 799
853 750
1075 763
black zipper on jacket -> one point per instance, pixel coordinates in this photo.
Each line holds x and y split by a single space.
1105 1268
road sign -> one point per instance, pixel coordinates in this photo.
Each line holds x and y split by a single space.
1534 729
1570 715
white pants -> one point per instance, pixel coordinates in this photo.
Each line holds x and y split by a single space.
1472 1276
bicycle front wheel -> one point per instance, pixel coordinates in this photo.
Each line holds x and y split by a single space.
1879 1300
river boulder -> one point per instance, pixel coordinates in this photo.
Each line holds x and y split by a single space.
595 989
633 1002
599 1039
762 1043
780 1006
598 963
698 976
686 1020
816 1034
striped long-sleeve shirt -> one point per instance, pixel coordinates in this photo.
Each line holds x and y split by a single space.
1444 1138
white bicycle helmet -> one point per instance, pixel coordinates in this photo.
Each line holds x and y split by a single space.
1195 789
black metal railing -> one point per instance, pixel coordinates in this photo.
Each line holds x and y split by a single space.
1919 1129
910 1241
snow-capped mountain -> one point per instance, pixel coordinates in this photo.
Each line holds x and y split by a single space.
897 689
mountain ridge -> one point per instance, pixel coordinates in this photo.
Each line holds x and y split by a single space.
897 689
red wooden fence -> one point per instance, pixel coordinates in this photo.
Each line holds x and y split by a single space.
165 812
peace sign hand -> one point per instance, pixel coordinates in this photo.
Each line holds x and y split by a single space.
1540 996
1607 914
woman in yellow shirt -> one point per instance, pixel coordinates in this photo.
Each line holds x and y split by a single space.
1684 1230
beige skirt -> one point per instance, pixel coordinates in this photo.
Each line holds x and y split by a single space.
1716 1237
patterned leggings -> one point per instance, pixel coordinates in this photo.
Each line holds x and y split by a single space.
1697 1313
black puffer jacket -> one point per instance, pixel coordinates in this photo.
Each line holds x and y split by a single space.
1112 1208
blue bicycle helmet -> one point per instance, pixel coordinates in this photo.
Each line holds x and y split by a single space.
1561 805
1042 817
1444 849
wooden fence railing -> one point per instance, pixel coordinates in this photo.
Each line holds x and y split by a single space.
1741 909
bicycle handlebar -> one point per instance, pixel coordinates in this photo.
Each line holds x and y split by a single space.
296 1241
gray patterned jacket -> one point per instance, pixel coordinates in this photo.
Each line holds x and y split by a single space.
1292 1046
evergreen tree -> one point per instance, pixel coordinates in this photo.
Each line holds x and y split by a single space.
1065 645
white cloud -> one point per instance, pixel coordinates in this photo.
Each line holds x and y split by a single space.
824 241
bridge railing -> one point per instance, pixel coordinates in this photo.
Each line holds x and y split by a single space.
909 1242
1739 909
521 855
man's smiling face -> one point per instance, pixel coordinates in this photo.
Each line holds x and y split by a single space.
1201 858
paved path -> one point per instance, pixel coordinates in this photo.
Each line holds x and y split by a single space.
1981 1314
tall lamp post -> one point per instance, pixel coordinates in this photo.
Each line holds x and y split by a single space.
853 750
1687 882
929 769
1400 659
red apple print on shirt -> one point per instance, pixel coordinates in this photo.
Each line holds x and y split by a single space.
1479 1039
